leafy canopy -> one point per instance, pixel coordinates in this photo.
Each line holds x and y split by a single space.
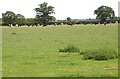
104 13
11 18
8 17
43 13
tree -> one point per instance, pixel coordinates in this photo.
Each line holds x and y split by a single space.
104 14
8 17
69 21
43 13
19 19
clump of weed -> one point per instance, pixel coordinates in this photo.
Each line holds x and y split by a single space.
13 33
69 48
100 54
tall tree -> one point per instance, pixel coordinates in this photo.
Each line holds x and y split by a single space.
104 13
43 13
8 17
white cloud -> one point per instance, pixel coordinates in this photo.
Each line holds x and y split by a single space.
63 8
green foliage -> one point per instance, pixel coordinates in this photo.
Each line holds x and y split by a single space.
20 19
43 14
11 18
104 13
118 19
69 48
31 21
100 54
8 17
72 21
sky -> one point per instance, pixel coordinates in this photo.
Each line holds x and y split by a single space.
76 9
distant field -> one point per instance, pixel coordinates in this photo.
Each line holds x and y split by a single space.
33 51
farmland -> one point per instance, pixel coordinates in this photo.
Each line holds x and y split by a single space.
34 51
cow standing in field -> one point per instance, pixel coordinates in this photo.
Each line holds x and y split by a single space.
10 25
105 23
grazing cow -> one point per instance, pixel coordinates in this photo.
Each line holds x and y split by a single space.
44 25
55 24
17 25
10 25
96 23
105 23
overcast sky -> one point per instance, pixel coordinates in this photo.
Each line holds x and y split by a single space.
76 9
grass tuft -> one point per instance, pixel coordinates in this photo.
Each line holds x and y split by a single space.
69 48
100 54
13 33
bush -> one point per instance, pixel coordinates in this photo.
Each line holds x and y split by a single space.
69 48
100 54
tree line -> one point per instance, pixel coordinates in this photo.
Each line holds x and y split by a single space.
43 17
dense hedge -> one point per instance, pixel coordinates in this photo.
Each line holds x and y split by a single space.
34 22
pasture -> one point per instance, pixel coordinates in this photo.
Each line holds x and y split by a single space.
34 51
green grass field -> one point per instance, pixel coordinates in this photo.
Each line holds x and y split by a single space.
34 51
0 53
